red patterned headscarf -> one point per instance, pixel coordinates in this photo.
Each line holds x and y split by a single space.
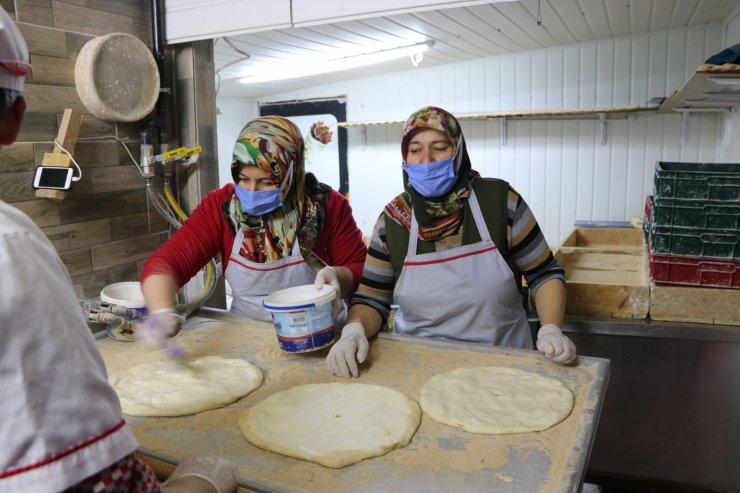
441 216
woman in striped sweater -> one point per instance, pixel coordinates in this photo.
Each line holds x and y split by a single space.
450 251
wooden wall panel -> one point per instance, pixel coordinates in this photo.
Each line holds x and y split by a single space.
90 284
75 42
91 127
130 8
86 207
42 41
53 70
97 154
9 6
116 179
52 99
43 212
37 126
90 20
17 157
123 251
16 187
36 12
133 225
79 235
77 261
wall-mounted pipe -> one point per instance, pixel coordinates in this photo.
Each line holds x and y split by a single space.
164 120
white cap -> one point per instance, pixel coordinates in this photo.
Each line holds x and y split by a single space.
13 54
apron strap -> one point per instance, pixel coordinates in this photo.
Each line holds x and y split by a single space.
480 223
296 250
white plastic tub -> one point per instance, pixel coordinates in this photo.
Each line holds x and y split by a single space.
302 317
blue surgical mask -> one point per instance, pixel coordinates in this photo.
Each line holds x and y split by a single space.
432 179
259 202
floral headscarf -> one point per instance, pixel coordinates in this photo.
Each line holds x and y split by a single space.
441 216
274 144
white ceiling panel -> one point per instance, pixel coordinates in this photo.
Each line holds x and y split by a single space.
472 30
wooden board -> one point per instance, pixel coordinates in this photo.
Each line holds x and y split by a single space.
605 239
562 113
163 469
438 459
695 304
605 284
699 89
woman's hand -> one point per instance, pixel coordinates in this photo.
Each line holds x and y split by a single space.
351 348
328 275
552 343
158 327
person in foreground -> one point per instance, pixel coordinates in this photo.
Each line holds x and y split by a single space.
275 227
61 427
450 251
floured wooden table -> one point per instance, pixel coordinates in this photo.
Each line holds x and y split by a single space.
438 459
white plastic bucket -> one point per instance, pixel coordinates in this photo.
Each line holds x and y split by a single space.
126 294
302 317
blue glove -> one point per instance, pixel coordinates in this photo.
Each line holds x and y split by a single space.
158 327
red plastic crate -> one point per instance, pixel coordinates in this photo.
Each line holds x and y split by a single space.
694 271
688 271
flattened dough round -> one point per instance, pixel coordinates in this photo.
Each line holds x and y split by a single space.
169 388
333 424
496 400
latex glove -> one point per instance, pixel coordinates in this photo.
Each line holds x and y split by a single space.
328 275
158 327
351 348
552 343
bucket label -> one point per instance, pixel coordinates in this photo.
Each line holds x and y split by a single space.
304 330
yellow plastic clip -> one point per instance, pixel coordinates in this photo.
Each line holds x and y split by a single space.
193 150
174 153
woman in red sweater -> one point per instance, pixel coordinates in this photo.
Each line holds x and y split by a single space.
275 227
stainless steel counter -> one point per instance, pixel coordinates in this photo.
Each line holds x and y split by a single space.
671 417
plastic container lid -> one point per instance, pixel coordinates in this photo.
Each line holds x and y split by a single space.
126 294
299 298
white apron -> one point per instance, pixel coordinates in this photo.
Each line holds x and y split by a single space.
60 420
466 293
251 282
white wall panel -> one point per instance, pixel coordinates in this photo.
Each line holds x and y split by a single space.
639 70
731 147
234 114
732 29
731 144
554 78
658 67
560 167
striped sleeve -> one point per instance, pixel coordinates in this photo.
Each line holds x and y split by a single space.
376 284
528 246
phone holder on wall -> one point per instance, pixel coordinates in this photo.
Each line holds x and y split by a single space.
67 137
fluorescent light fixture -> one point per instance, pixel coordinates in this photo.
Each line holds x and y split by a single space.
293 70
